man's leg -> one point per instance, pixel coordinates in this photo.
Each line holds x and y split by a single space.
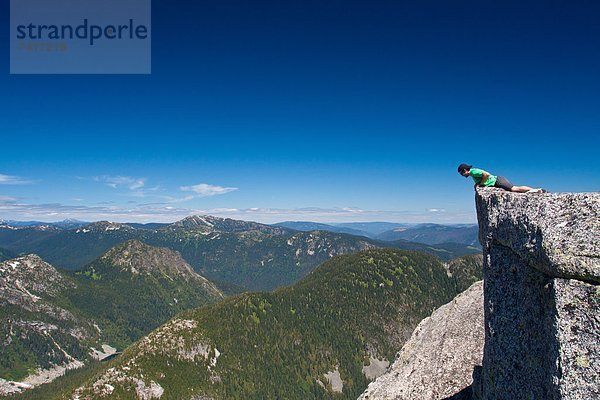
522 189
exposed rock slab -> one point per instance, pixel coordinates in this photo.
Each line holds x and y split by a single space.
555 233
335 380
376 368
438 360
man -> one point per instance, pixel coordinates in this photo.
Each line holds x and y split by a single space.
483 178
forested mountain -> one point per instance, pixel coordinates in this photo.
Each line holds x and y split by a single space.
308 226
6 254
465 270
434 234
53 320
39 327
372 228
325 337
134 287
245 254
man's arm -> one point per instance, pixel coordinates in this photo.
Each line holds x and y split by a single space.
484 177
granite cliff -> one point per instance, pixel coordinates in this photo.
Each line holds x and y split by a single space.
540 332
541 295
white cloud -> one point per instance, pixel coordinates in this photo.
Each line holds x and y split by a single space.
7 199
206 190
353 210
226 210
116 182
13 180
436 210
342 214
11 208
181 199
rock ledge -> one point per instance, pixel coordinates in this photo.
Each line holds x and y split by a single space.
541 295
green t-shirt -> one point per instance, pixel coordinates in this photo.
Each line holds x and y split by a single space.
477 174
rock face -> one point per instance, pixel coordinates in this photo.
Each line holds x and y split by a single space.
541 273
40 335
139 258
208 224
438 360
24 279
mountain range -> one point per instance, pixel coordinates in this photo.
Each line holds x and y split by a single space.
246 254
342 306
389 231
54 320
432 234
6 254
325 337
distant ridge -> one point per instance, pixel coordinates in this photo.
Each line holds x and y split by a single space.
104 226
207 223
434 234
245 254
64 224
316 226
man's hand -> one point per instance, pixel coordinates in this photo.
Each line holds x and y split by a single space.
475 187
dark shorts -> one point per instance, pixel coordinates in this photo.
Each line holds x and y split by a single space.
502 182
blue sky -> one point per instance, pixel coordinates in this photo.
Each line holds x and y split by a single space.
311 110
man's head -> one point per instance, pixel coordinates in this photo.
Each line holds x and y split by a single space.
465 170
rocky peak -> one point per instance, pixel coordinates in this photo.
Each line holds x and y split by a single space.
45 227
140 258
104 226
31 276
8 225
207 224
204 223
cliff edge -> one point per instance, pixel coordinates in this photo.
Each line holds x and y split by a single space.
438 360
541 295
